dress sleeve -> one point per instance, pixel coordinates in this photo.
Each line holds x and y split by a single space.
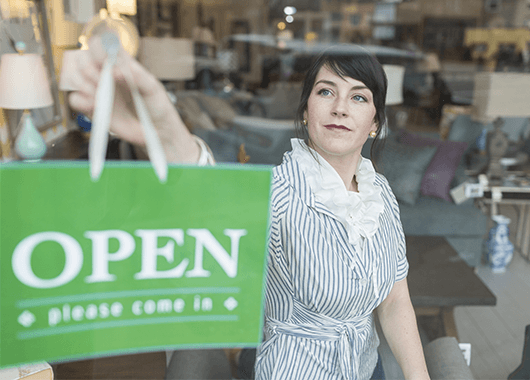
206 156
402 262
401 248
280 198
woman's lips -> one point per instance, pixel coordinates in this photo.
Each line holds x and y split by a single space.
335 126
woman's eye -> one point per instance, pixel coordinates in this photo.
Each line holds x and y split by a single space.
359 98
324 92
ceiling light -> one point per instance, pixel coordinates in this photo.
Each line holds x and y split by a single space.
289 11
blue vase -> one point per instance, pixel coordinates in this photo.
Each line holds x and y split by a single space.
500 249
482 140
85 124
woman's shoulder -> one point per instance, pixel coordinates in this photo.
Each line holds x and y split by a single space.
282 183
386 191
289 184
380 180
287 173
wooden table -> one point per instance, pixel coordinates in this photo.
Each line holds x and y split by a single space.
72 146
439 280
151 365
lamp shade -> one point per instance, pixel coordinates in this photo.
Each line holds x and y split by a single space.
124 7
14 9
501 95
168 58
23 82
430 64
395 75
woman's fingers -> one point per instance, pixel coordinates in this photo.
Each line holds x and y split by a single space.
145 82
89 72
97 51
78 71
152 91
82 102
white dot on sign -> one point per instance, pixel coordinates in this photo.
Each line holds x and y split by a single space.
230 303
26 319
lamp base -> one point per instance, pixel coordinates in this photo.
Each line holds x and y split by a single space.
497 145
29 144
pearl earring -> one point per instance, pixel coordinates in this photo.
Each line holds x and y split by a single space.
373 134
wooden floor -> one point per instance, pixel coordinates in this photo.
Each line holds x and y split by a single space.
496 333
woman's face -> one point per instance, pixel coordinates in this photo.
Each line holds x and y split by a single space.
340 114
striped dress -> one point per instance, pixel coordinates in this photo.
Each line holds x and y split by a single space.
321 290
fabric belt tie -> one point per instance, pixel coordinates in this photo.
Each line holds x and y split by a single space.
344 332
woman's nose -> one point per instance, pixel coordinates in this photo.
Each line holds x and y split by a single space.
339 108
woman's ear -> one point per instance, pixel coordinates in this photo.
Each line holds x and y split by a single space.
375 125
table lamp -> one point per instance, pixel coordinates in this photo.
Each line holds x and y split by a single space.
394 93
24 85
497 95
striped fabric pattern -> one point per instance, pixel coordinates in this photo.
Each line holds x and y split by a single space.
321 291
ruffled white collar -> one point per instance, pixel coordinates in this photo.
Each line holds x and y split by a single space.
358 211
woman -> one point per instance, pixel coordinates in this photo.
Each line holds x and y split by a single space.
337 249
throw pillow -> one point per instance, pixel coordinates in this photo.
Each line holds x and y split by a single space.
440 172
404 167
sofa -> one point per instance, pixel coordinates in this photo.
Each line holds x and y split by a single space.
443 356
221 120
421 168
445 360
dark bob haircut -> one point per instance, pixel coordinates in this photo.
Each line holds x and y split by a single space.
356 63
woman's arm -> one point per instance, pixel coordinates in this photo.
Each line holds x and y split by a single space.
398 321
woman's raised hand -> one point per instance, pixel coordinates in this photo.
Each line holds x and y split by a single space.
178 143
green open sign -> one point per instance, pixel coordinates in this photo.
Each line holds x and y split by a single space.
128 264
